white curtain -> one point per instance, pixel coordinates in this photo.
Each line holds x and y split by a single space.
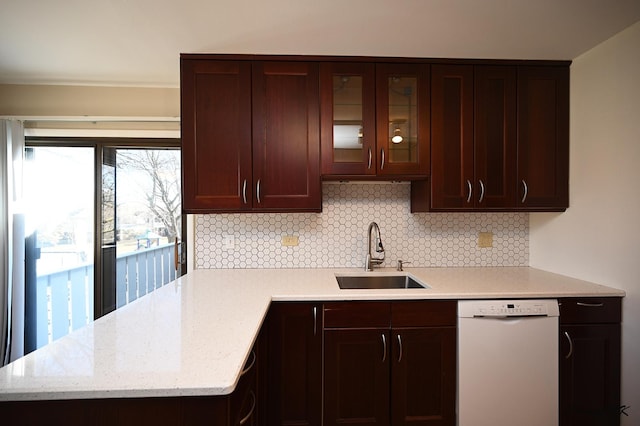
12 238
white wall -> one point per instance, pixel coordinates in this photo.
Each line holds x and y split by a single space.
598 237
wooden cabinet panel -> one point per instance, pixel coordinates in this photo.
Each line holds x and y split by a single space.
250 136
452 156
357 314
356 385
424 313
498 131
347 102
216 137
495 136
590 351
390 362
423 379
590 310
376 100
402 103
286 136
543 137
295 364
474 137
590 375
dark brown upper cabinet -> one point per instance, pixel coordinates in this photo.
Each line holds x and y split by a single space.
543 138
473 143
375 120
250 136
499 139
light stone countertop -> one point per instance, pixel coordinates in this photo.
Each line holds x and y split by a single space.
193 336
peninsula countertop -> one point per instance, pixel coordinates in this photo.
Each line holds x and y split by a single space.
193 336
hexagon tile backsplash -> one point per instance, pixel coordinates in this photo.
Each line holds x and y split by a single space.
337 237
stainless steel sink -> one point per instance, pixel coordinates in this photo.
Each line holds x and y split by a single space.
377 282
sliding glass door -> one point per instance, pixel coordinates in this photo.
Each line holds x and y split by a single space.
104 228
141 221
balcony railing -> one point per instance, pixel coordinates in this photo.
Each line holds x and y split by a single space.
64 299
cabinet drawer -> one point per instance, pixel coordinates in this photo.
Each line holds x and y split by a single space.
357 314
590 310
424 313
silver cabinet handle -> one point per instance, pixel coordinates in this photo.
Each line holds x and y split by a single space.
253 361
400 347
253 408
525 191
590 305
566 334
469 190
382 161
481 191
244 191
384 348
258 191
315 320
370 158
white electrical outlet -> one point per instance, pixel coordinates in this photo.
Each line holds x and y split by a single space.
228 242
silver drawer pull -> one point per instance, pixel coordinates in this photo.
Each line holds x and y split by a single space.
481 191
400 348
384 347
566 334
469 190
253 361
253 408
315 320
258 191
244 191
590 305
526 191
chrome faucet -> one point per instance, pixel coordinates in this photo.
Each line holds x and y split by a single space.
371 261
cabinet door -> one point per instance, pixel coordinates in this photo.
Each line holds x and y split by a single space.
543 138
452 157
590 375
295 364
423 376
216 135
356 377
495 137
286 136
402 110
348 118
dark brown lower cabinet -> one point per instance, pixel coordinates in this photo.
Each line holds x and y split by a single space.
423 381
295 364
170 411
356 379
390 363
590 362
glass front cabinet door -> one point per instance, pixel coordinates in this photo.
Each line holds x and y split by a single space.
375 120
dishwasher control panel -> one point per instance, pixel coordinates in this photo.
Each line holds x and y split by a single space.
508 308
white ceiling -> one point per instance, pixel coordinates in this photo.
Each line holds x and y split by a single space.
138 42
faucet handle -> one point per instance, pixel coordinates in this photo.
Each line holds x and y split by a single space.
399 264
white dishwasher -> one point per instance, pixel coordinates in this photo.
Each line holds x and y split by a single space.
508 362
